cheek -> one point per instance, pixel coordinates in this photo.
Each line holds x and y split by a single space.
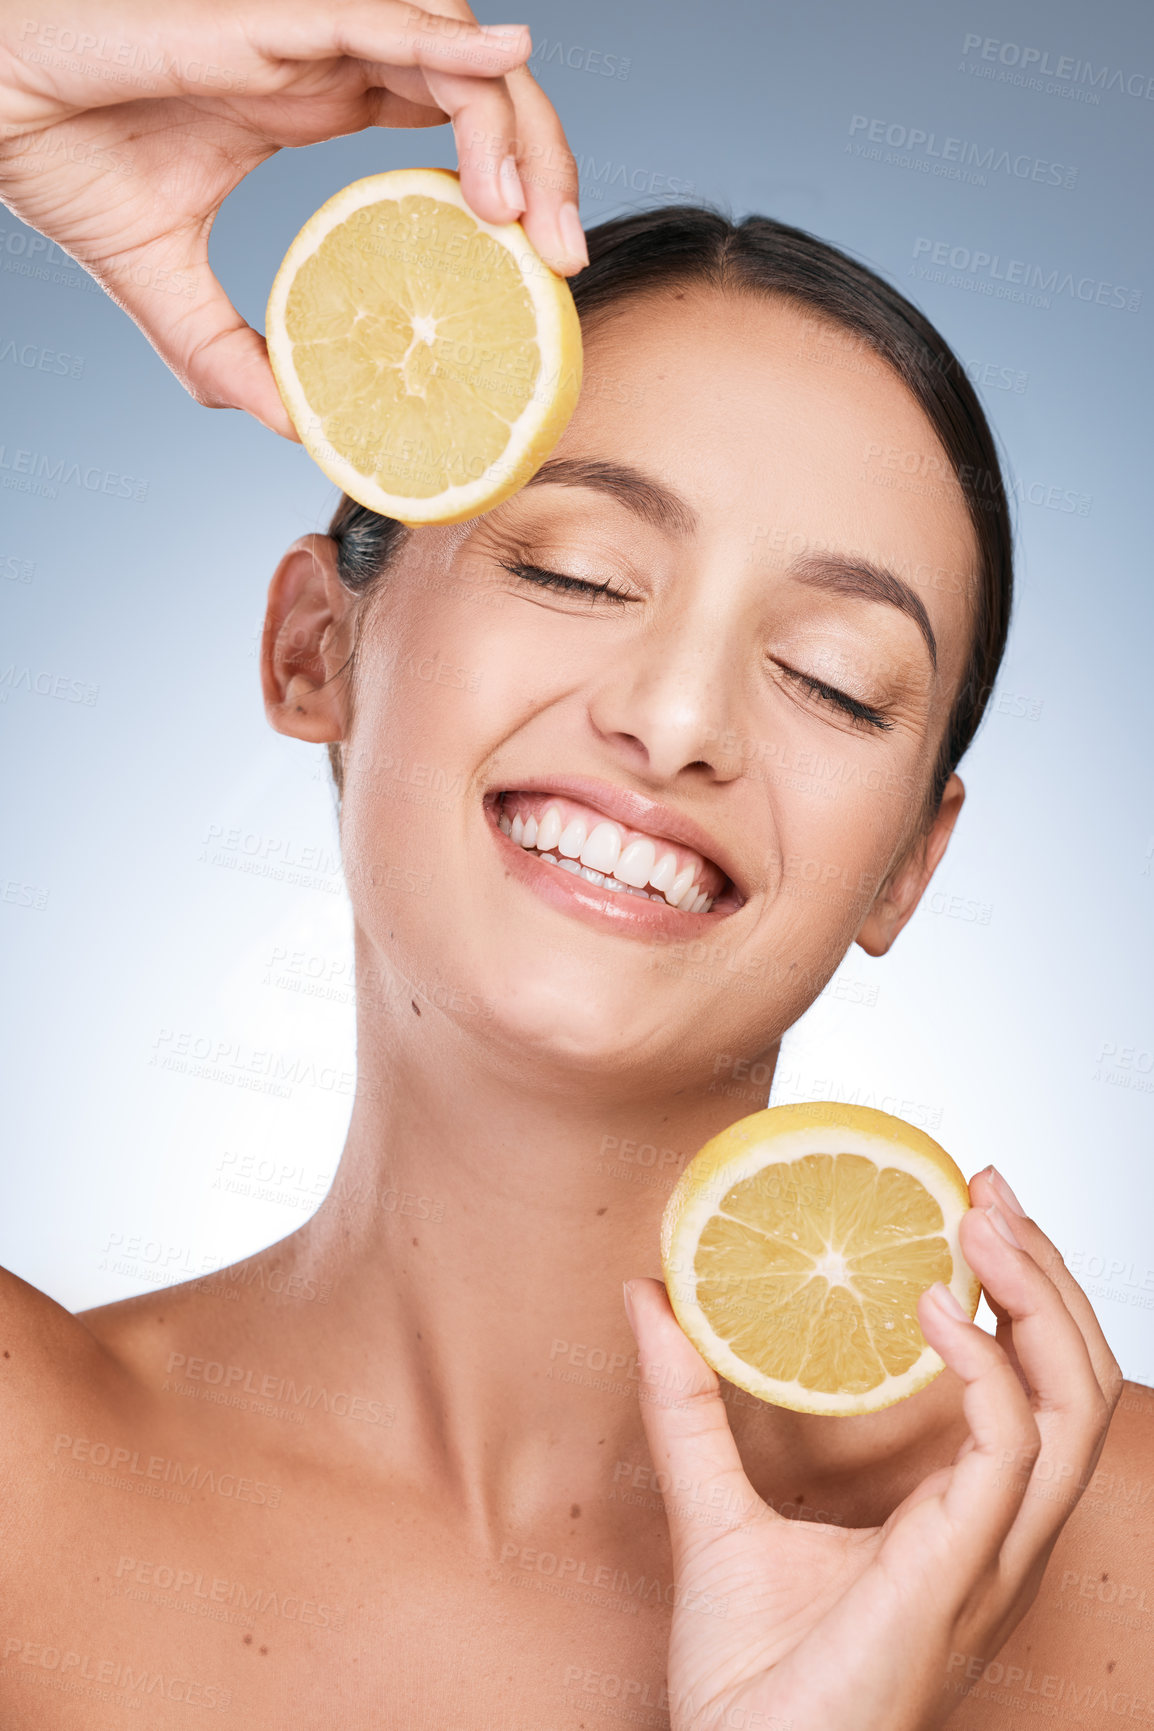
838 828
401 771
839 844
422 708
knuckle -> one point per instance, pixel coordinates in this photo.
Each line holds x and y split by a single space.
1095 1416
1043 1249
1028 1445
1113 1382
1050 1257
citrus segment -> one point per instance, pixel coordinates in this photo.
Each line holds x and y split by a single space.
429 360
795 1248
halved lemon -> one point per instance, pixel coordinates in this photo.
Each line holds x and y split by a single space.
795 1247
429 360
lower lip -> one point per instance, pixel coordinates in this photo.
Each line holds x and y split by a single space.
575 895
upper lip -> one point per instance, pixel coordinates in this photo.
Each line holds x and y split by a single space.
635 811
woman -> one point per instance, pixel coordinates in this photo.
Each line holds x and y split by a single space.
369 1477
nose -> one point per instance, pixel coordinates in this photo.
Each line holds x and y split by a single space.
667 704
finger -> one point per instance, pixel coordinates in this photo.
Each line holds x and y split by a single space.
980 1500
548 171
989 1187
1069 1409
198 333
254 55
687 1428
485 129
387 105
532 138
475 98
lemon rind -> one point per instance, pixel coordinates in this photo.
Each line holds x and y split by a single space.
541 422
780 1135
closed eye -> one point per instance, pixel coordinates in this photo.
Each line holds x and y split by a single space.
559 580
859 712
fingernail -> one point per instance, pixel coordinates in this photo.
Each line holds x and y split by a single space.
505 30
511 189
627 1294
1000 1224
940 1295
1004 1191
572 234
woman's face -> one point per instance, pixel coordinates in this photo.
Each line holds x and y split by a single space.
752 694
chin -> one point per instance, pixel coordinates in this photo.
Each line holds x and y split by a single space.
585 1029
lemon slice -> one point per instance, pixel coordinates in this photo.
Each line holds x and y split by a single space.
795 1247
429 360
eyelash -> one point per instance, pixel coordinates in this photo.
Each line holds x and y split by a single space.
860 713
558 580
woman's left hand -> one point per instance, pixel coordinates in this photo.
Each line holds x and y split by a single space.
128 123
861 1627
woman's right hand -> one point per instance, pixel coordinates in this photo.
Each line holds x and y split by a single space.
128 123
871 1628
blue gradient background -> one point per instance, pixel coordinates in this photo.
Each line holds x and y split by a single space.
990 1018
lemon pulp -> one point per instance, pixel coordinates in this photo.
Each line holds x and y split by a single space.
429 360
795 1248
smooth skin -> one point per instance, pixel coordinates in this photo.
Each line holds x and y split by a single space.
467 1266
663 693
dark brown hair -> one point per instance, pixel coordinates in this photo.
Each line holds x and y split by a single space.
653 250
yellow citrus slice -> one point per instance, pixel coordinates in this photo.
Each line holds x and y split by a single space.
429 360
795 1247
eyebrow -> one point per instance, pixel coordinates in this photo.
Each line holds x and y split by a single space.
646 497
662 508
858 577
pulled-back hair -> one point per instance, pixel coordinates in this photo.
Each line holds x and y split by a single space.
672 246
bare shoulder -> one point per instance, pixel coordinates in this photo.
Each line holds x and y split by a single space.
1102 1569
57 1381
1087 1641
60 1370
1117 1504
44 1350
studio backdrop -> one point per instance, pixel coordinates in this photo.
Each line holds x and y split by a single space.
178 1035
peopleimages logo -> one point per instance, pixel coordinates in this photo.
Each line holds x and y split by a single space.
943 155
1013 278
1034 64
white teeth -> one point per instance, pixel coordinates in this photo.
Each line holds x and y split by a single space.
603 849
598 856
549 831
572 839
635 864
679 888
664 872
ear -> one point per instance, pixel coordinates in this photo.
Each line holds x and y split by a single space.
307 640
904 889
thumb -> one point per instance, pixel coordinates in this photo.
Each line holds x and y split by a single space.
170 291
699 1470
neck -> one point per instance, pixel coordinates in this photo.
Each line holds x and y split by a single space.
474 1243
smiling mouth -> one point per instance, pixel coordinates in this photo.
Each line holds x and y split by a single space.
573 837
